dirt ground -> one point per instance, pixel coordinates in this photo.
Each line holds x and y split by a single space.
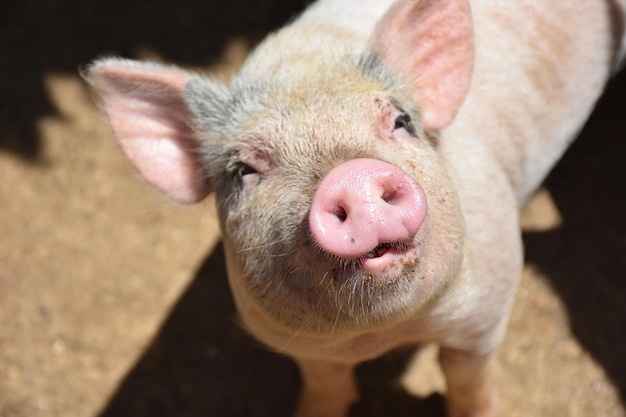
114 302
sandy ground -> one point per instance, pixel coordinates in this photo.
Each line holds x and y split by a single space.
113 300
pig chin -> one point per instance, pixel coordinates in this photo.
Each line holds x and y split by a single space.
348 295
336 294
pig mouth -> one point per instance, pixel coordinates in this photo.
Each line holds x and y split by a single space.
383 248
388 260
382 265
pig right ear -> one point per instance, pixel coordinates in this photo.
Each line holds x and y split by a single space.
430 43
146 107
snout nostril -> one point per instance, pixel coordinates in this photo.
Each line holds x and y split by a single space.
391 196
340 213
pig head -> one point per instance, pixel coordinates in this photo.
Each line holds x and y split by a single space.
368 163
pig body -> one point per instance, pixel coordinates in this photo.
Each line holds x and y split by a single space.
369 162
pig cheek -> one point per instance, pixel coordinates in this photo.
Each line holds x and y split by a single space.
253 253
443 251
262 243
441 237
252 271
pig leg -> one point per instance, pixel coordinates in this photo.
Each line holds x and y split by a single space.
472 382
329 389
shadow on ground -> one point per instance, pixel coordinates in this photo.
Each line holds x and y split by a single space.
58 36
202 364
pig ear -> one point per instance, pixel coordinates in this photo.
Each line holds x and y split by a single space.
147 110
430 43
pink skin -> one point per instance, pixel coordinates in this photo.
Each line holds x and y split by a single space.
362 204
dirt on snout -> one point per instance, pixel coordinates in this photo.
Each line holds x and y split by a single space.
114 301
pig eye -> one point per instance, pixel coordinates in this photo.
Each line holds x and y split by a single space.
403 121
244 174
243 169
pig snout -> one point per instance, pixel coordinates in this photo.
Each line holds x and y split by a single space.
364 208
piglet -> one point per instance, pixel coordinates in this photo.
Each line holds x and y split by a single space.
368 164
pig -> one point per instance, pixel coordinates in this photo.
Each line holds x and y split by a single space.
368 163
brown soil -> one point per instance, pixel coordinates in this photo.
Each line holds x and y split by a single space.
114 302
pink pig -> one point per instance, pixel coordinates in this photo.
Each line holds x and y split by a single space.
369 162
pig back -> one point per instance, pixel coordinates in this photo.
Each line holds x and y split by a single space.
540 67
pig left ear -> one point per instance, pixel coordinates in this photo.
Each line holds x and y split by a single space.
146 106
430 43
